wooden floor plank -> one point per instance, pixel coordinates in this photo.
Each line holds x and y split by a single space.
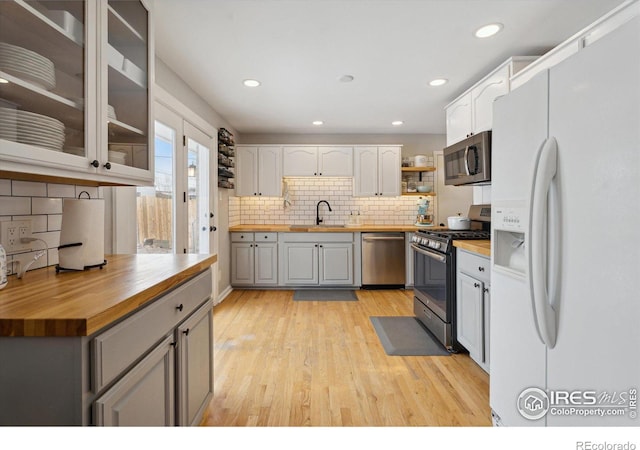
279 362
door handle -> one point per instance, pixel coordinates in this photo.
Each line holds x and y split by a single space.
538 258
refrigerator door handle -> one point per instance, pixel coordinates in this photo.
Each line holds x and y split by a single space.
544 173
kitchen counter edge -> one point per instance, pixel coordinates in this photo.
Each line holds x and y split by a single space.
247 228
481 247
68 304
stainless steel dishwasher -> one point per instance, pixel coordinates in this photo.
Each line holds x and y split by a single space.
383 260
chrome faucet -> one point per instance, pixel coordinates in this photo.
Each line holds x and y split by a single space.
318 219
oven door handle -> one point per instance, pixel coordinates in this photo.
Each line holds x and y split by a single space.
432 255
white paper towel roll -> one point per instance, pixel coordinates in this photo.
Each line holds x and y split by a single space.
82 222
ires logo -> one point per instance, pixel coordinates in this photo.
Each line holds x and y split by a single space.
534 403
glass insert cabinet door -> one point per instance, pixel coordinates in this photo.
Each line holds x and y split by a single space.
44 72
127 50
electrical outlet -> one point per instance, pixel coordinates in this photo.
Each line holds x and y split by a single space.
12 232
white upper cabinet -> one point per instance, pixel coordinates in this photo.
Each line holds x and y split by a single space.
258 171
459 122
55 118
311 161
377 171
335 161
472 112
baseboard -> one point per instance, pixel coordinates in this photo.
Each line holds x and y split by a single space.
222 295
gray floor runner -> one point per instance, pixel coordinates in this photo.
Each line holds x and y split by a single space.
344 295
406 336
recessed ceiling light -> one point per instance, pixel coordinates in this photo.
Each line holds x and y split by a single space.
488 30
251 83
397 123
438 82
318 122
346 78
3 81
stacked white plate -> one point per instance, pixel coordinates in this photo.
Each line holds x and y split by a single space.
118 157
27 65
31 128
111 112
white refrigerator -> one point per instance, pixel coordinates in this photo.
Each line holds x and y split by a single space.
565 277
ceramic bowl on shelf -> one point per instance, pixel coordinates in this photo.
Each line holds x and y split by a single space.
423 189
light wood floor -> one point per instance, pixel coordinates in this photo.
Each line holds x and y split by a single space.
283 363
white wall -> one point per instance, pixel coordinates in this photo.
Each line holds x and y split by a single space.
174 85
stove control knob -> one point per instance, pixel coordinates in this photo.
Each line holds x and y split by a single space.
437 245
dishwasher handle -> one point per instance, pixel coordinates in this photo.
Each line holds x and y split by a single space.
383 238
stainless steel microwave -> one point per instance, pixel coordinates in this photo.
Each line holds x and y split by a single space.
469 161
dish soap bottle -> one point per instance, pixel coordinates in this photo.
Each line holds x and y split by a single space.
3 267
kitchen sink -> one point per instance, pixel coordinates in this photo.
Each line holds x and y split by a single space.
309 227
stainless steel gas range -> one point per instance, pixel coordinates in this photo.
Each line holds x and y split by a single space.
434 274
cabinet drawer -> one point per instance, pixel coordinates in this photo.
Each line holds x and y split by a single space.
122 345
242 237
477 266
266 237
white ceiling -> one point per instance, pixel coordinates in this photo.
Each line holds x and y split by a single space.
299 49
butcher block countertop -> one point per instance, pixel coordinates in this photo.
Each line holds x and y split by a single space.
482 247
327 228
44 303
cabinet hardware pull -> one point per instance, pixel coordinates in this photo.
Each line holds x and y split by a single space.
186 332
212 228
204 228
173 344
476 285
107 166
485 290
95 163
180 307
210 215
481 269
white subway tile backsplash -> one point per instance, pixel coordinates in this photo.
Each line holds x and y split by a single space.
12 206
47 206
28 189
54 222
61 190
5 187
38 223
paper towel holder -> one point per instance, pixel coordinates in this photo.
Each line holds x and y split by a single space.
78 244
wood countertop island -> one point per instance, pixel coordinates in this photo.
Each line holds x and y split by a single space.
46 303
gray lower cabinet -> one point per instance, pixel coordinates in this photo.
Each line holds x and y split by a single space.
312 259
254 259
145 396
473 305
154 367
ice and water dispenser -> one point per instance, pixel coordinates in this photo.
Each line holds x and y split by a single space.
510 227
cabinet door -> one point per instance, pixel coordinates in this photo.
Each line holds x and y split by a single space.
487 328
470 314
246 171
242 263
365 176
336 263
458 117
195 365
335 161
389 162
299 161
266 263
483 96
300 263
126 83
270 171
145 395
48 104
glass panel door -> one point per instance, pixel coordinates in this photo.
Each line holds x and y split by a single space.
156 204
42 80
199 212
